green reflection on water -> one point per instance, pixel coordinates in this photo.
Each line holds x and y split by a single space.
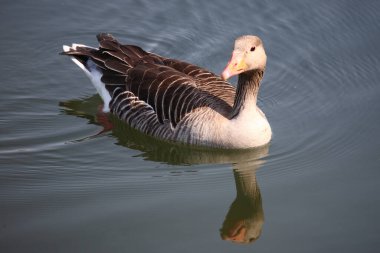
245 217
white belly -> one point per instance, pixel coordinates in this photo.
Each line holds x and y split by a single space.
247 133
250 129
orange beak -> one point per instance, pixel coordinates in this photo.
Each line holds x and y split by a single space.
235 66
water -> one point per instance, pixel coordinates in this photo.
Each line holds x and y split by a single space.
63 188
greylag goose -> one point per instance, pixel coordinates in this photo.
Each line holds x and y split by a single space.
177 101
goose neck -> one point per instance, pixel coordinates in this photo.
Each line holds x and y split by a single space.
247 91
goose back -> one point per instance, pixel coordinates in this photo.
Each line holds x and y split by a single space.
169 88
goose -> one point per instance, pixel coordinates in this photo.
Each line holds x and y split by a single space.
177 101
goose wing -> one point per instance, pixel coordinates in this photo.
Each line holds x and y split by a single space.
170 87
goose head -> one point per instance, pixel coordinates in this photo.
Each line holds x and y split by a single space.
248 54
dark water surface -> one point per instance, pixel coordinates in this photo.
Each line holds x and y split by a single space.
315 188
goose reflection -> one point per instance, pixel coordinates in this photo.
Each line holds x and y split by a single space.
245 217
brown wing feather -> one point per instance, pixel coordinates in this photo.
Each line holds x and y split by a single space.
172 88
205 80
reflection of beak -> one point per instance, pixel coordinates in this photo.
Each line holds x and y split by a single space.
235 66
237 233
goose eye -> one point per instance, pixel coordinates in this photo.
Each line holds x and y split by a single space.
253 49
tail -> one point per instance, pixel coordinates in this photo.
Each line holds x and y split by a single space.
81 56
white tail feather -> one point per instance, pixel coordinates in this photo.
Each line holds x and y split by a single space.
94 74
